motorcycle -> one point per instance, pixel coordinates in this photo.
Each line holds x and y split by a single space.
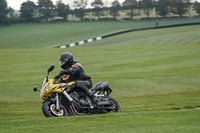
63 99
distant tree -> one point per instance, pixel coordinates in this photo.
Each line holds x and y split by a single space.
115 8
189 5
147 6
62 9
3 11
11 12
27 10
179 7
98 8
80 6
72 8
162 8
130 6
46 7
197 7
139 5
107 5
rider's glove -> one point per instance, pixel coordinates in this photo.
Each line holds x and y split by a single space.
57 77
62 72
65 72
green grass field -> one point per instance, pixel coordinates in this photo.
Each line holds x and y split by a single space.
154 76
51 35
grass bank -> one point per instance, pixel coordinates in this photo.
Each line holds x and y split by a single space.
51 35
155 79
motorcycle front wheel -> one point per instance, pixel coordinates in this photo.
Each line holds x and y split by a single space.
49 109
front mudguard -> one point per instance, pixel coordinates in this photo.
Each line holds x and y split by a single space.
52 100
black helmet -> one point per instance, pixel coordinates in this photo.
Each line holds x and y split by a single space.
66 60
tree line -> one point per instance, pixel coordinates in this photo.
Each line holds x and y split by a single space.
45 9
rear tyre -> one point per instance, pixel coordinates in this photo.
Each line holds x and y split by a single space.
49 109
115 106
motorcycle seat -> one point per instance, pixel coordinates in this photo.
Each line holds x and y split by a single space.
95 86
99 85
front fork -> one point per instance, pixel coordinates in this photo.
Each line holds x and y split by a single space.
57 99
57 102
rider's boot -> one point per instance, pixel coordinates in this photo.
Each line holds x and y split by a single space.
87 92
93 97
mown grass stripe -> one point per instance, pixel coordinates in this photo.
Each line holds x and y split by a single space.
132 30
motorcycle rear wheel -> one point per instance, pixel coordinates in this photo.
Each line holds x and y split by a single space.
49 110
117 108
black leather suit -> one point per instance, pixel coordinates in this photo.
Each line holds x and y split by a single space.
76 73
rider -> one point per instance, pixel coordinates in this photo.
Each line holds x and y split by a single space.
73 71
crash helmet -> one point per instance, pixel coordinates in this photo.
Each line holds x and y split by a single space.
66 60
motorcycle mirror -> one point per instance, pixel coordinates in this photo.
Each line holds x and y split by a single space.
51 68
35 88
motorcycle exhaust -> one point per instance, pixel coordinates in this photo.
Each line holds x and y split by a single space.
104 103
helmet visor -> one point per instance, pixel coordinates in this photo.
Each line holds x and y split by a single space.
62 62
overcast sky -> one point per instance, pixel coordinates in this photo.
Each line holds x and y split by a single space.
16 4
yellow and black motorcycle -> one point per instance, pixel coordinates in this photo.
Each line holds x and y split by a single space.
63 99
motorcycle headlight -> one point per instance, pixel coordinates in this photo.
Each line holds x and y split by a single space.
46 88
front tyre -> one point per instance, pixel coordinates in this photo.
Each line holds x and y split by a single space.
49 109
